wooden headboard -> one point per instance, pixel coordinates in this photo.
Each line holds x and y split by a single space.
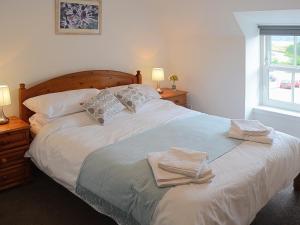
99 79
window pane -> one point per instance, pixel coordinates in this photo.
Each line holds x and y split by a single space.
298 51
280 86
282 50
297 88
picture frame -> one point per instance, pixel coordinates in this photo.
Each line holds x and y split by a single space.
78 16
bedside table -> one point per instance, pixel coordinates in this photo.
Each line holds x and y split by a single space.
14 142
176 96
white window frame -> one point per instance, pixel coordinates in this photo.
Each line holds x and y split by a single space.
267 66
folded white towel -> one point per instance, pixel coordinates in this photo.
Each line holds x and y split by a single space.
195 174
164 178
186 162
267 139
250 127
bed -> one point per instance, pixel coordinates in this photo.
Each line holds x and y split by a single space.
247 176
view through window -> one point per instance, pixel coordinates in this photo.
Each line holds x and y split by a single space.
282 72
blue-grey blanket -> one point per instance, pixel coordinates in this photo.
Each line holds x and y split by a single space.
118 181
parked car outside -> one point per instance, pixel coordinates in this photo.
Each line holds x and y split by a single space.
286 84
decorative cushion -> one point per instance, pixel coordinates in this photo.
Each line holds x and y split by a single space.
116 89
103 106
132 98
147 90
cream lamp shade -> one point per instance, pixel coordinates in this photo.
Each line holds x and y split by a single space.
158 74
4 95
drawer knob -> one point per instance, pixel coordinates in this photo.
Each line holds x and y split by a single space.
4 160
4 142
3 178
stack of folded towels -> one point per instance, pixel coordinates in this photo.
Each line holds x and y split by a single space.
251 130
180 166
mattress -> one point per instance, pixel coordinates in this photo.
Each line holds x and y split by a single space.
246 177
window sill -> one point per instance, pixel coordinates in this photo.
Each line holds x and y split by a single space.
276 111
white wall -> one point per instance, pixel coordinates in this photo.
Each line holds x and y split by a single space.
281 120
199 40
30 51
208 51
209 73
252 61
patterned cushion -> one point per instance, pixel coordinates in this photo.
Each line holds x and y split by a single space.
147 90
132 98
103 106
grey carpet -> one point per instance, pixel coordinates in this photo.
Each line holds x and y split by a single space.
43 202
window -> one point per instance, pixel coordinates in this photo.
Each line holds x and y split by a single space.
281 68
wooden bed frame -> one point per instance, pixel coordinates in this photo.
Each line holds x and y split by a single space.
99 79
87 79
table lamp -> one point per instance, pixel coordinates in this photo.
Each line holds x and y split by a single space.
158 75
4 100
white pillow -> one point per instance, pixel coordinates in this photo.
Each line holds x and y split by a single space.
60 103
147 90
40 119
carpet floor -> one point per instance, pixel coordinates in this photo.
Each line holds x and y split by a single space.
44 202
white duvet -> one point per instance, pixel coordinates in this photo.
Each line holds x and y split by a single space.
246 178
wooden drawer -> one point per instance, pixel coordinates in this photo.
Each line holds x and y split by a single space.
178 100
12 156
14 175
14 139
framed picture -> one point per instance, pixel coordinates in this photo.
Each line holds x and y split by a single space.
78 16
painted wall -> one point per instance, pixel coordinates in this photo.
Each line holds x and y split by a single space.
30 51
288 122
208 51
209 73
199 40
281 120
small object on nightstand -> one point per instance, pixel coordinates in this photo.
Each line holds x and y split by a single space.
14 142
173 79
176 96
4 100
158 75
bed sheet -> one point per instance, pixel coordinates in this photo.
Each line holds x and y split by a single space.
246 178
